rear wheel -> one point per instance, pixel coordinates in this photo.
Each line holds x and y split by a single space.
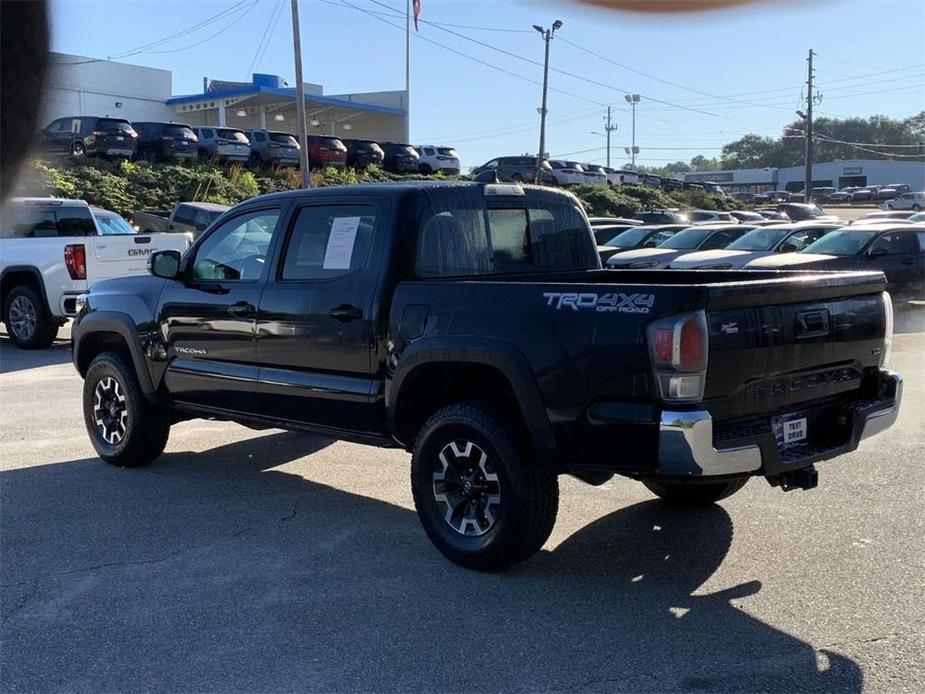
27 320
681 494
517 178
425 169
481 501
916 208
78 149
124 427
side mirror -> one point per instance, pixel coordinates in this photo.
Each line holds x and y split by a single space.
877 252
649 244
165 264
787 248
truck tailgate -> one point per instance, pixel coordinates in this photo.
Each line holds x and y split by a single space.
128 255
773 347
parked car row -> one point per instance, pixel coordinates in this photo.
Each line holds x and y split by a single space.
118 137
892 245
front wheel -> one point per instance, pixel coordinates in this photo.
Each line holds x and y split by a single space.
124 427
694 494
916 208
481 501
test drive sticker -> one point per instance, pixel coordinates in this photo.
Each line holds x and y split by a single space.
603 303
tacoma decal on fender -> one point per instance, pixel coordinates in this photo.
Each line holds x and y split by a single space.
606 303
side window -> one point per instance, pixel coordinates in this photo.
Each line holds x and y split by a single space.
236 250
185 215
429 151
202 220
802 239
896 243
261 137
329 241
493 164
56 126
208 133
718 240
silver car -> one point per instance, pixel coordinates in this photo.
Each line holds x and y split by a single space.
223 144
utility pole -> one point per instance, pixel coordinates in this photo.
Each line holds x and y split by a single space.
609 128
300 97
633 99
547 35
408 71
808 133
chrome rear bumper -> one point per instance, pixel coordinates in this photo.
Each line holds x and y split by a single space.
686 438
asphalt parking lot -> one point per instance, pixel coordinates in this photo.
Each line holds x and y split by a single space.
271 561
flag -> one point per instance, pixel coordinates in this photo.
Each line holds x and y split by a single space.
417 11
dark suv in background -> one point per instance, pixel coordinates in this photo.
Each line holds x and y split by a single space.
79 135
326 151
400 158
363 153
517 169
164 141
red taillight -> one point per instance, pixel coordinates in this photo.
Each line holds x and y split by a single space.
678 348
75 260
693 345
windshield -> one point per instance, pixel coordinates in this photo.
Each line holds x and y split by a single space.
762 239
284 139
111 224
630 237
920 217
687 240
235 135
840 242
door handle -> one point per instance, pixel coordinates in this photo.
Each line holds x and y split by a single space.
242 309
346 313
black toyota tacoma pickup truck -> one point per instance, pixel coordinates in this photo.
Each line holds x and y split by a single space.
472 324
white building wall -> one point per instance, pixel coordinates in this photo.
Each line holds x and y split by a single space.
876 171
81 86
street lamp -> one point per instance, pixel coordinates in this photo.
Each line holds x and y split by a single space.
632 100
547 35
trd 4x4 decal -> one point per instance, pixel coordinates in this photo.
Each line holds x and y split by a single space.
604 303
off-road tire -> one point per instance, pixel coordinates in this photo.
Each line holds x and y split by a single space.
43 331
147 427
694 494
529 492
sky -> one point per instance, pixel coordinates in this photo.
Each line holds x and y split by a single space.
704 78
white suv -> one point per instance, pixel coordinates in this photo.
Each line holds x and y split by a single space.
567 173
433 159
906 201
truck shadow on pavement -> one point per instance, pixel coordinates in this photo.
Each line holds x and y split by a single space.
14 359
215 572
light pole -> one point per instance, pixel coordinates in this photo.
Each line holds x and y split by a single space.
633 99
547 35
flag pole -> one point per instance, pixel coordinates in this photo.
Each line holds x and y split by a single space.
408 72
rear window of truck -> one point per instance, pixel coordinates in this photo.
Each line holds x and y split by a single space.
25 221
466 241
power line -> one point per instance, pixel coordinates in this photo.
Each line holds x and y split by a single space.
275 14
216 34
344 3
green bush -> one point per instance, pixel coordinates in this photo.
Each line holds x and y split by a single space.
603 201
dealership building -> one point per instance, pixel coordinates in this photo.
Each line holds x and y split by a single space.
83 86
835 174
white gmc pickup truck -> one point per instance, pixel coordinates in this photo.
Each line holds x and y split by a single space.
53 250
